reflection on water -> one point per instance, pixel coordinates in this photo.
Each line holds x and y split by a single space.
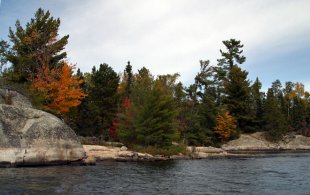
280 174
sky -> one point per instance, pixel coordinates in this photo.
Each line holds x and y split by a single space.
171 36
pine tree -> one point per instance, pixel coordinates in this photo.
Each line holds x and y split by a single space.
233 86
129 75
256 106
258 97
156 125
179 94
150 118
233 56
141 88
35 45
103 97
238 96
142 85
83 118
201 108
298 114
275 123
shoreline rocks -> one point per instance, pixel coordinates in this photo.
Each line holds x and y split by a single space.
102 153
238 148
30 137
258 142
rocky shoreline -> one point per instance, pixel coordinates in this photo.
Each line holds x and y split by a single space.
122 154
247 146
258 142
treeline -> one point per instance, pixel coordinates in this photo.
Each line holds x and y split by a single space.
138 108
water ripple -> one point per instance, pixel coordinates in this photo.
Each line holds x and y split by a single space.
280 174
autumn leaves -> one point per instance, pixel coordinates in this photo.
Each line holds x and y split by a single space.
59 88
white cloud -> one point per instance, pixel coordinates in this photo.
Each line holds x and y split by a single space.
172 36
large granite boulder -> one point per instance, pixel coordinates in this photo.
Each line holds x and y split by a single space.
33 137
14 98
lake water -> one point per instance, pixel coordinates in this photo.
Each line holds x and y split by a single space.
279 174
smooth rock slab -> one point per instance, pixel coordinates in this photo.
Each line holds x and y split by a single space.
33 137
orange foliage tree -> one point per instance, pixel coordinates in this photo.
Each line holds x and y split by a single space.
59 88
225 126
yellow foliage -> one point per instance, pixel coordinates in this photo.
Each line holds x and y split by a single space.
59 88
225 126
298 91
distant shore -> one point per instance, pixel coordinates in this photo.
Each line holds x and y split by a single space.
105 153
247 146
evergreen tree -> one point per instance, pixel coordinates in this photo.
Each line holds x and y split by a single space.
151 117
288 98
143 85
179 94
278 92
34 46
275 123
128 116
156 125
298 114
103 97
88 120
83 119
233 56
233 86
237 97
201 114
256 106
128 71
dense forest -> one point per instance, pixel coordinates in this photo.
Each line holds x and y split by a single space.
141 109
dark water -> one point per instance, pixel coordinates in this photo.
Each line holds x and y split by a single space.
280 174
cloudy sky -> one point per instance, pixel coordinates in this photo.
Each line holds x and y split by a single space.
169 36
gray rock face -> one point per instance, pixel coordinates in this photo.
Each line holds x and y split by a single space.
33 137
14 98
